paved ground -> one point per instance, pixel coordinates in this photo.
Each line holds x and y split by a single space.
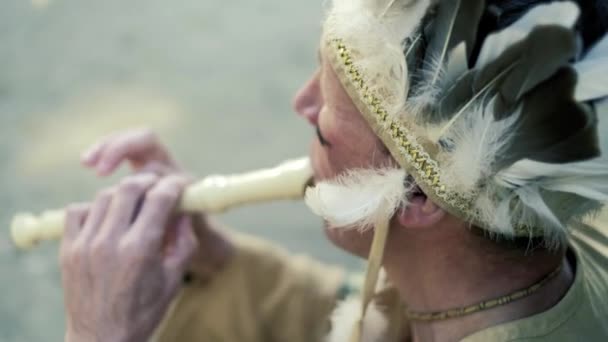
213 78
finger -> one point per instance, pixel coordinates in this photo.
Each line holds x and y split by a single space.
135 146
74 220
124 204
96 216
158 207
90 156
185 245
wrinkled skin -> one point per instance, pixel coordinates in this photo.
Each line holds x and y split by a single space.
124 255
117 270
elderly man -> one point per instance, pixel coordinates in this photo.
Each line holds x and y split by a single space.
457 148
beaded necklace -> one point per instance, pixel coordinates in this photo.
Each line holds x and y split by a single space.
484 305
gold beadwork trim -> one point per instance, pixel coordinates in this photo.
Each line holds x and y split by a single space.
485 305
418 162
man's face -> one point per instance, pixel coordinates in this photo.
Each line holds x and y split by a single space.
345 141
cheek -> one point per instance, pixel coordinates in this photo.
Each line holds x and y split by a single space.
353 241
353 146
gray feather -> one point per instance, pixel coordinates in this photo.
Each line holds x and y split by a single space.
554 128
456 22
531 198
519 69
556 13
539 56
593 73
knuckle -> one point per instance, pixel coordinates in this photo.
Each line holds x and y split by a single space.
70 258
72 255
105 194
132 249
138 183
98 247
164 196
131 184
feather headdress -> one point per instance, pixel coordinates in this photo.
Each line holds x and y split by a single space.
482 123
500 130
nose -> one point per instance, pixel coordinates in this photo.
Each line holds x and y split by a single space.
309 100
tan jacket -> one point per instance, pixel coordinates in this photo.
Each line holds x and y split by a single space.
263 295
266 295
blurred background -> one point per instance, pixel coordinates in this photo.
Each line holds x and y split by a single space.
213 78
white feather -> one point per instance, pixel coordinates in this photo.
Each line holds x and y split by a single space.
531 198
601 108
427 91
346 315
588 179
599 50
556 13
457 64
360 198
593 73
375 32
526 171
591 188
439 71
500 217
390 21
477 139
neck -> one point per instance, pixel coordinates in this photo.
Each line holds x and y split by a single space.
448 267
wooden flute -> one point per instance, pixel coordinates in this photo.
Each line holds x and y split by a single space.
213 194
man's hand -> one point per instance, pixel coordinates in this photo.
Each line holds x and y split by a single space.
143 150
123 258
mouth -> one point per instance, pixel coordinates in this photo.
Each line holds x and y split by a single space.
415 194
309 184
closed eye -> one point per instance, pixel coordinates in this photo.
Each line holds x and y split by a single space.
321 138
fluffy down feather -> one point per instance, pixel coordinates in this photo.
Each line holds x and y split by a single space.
586 179
345 317
389 20
371 26
359 199
477 138
528 179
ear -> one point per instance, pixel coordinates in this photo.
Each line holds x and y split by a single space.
421 212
